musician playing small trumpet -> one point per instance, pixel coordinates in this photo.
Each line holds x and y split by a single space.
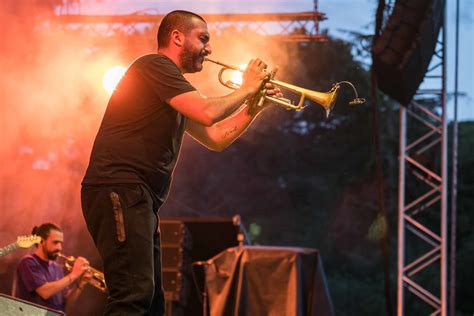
39 279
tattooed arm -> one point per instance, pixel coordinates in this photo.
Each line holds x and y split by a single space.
220 135
223 133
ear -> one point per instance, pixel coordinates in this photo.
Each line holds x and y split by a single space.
177 38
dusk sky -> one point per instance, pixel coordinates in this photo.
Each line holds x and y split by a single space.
343 15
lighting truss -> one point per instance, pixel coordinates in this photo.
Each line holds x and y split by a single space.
423 183
290 27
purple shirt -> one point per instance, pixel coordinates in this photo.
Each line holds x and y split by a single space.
33 272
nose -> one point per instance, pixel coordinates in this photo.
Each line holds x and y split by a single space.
208 49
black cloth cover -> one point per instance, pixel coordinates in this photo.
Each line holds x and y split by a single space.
263 280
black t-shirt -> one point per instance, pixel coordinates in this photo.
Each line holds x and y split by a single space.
140 135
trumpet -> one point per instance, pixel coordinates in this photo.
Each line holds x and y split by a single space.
326 99
97 280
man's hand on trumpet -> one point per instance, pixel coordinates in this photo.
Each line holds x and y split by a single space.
258 102
81 272
85 278
272 91
254 75
81 265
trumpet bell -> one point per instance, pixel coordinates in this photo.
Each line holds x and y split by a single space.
326 99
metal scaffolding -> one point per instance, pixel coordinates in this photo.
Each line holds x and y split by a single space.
293 27
423 184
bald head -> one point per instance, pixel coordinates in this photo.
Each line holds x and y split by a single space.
183 21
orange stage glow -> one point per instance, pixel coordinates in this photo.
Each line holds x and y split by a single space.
237 76
112 77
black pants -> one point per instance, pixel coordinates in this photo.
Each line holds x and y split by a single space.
124 224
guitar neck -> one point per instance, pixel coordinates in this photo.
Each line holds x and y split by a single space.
8 249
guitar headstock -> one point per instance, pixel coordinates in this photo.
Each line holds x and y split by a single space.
27 241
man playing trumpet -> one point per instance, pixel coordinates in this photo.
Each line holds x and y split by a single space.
136 150
40 280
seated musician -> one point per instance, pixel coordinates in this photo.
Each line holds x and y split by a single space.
40 280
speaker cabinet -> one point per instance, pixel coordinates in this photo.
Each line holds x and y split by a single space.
185 240
403 51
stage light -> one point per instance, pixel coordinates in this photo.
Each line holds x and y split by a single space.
112 77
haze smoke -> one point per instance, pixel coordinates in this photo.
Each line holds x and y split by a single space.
52 104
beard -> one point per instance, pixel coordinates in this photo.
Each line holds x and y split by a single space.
51 255
191 61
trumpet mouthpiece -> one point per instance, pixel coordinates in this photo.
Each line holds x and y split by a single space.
67 258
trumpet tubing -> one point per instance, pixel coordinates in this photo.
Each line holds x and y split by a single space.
326 99
97 280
